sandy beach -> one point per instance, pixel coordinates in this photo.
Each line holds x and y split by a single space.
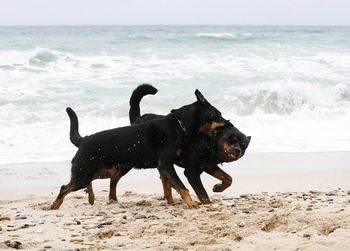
301 209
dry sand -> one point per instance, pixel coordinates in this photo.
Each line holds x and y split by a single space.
256 213
311 220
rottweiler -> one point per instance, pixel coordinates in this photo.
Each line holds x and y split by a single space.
150 144
204 153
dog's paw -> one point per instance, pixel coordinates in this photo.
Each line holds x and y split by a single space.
112 201
218 188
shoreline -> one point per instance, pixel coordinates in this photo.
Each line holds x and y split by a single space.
255 172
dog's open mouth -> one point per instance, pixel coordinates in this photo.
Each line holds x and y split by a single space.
230 156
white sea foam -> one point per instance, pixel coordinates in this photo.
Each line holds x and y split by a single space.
216 35
289 95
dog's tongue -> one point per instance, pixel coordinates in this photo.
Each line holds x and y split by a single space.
232 156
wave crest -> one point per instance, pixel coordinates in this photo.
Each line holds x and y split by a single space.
285 99
43 57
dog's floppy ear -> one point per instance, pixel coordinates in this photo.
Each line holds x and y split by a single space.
200 96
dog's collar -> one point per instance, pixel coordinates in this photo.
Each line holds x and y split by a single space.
182 126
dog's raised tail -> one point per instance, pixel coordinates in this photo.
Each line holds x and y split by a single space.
74 134
135 99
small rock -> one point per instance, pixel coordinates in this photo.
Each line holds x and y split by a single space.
215 205
307 236
244 196
309 209
140 216
27 225
104 224
238 238
315 192
241 224
120 211
21 217
76 241
332 193
153 217
306 196
13 244
227 198
124 217
348 192
4 218
0 228
59 215
100 213
128 193
143 203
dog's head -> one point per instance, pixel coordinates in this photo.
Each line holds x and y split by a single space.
209 118
231 143
201 116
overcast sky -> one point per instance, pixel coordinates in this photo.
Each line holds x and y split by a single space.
98 12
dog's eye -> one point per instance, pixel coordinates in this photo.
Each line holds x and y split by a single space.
215 116
233 139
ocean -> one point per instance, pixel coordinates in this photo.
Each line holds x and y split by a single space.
286 86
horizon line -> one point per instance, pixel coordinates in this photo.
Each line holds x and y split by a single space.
310 25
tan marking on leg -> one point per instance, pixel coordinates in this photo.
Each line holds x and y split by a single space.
90 193
185 195
225 179
65 189
167 190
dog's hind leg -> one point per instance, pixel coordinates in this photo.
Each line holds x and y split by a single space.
168 171
221 175
197 185
90 193
167 190
121 171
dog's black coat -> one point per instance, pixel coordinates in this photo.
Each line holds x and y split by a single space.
202 154
149 144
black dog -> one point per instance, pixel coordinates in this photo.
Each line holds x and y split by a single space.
150 144
202 154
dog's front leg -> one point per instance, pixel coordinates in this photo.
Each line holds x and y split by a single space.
167 170
194 179
221 175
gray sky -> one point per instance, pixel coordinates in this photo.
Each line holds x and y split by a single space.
98 12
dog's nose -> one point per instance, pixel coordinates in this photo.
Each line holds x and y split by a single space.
238 152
